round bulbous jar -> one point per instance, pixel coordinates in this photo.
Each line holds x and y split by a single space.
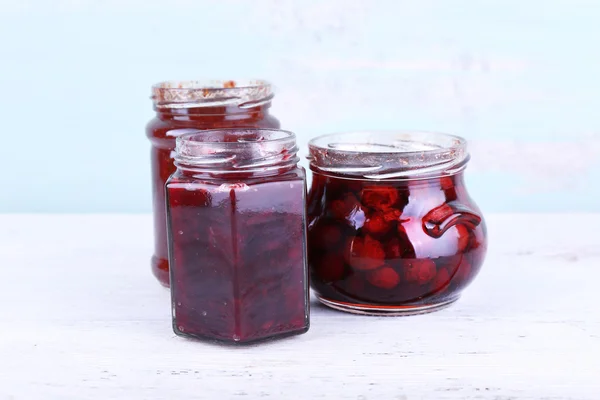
392 228
187 106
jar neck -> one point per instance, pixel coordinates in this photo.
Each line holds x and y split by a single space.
233 176
414 182
188 100
382 156
214 113
236 153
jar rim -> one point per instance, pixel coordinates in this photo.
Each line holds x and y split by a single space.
246 93
396 154
209 136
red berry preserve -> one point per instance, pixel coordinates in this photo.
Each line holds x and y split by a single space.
236 223
182 106
392 229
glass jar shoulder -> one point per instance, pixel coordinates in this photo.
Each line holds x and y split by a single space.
432 213
160 127
297 173
255 192
414 198
168 129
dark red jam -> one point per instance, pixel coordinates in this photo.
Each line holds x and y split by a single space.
238 245
181 106
392 246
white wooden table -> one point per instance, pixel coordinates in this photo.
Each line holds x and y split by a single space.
81 317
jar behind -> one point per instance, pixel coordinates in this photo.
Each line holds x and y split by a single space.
392 229
237 236
182 106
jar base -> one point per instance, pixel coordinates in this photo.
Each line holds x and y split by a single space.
240 341
160 269
386 311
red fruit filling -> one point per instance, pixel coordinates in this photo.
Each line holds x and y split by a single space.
365 253
331 268
379 197
344 207
463 237
384 277
420 271
238 261
325 236
377 224
446 182
385 262
392 215
398 247
442 280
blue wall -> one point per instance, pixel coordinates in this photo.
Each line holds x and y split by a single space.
518 79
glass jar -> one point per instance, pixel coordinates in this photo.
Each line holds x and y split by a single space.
237 236
392 229
185 105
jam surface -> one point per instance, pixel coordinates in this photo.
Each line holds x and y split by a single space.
162 132
238 257
393 245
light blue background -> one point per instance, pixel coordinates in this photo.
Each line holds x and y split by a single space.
518 79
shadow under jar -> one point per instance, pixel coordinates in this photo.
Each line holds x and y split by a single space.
236 221
392 229
182 106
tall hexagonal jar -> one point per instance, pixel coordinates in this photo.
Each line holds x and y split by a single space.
236 228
